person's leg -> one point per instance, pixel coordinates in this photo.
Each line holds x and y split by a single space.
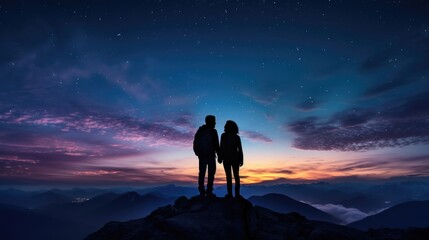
211 162
227 167
236 171
201 174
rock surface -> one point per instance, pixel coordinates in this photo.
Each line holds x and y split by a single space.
220 218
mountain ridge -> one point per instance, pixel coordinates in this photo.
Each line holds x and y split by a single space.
284 204
403 215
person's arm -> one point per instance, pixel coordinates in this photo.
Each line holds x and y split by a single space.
216 142
220 154
240 151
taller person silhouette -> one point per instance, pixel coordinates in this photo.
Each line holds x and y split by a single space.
231 154
206 146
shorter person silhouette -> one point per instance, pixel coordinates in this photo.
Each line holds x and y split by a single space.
231 154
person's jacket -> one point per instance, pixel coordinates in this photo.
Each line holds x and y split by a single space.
230 148
214 143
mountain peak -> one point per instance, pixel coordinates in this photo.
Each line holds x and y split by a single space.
284 204
221 218
131 194
403 215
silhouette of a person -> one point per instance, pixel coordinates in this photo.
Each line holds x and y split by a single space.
206 146
231 154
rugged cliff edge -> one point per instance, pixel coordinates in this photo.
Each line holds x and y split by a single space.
220 218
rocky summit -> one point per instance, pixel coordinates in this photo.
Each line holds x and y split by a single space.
222 218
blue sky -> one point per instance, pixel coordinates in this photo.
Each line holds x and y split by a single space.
112 93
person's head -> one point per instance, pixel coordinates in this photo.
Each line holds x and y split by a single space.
211 121
231 127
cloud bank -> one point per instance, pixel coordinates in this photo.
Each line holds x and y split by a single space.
347 215
354 129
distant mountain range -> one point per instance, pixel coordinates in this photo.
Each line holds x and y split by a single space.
52 212
404 215
34 199
19 223
74 220
284 204
106 207
39 198
170 191
367 197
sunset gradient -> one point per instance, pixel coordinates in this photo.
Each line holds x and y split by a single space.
96 94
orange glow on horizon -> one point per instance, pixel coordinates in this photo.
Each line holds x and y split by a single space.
301 170
181 168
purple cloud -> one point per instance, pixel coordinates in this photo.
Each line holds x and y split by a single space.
256 136
394 125
271 170
37 145
148 175
175 132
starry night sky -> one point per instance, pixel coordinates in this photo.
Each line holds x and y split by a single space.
111 93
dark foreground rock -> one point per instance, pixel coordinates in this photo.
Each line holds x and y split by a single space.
219 218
